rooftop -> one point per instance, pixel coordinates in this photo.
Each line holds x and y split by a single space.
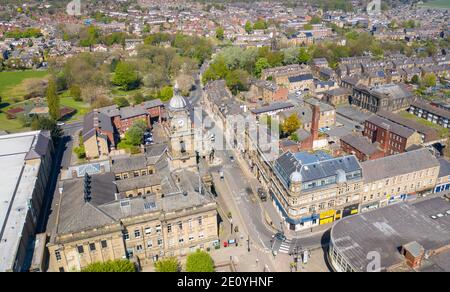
399 164
18 180
387 229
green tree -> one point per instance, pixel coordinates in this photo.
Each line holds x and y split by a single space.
126 76
315 20
260 65
260 24
220 33
415 79
308 26
134 135
304 56
199 261
111 266
166 93
248 27
168 265
237 80
140 124
53 100
121 101
138 98
429 80
44 123
290 125
75 92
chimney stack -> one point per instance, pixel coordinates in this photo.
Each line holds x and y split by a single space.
315 122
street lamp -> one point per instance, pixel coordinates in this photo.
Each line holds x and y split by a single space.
248 243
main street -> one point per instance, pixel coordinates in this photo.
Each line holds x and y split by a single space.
237 193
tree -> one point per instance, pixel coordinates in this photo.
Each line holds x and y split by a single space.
75 92
134 135
237 80
44 123
140 124
248 27
111 266
53 100
121 101
260 24
415 79
260 65
315 20
429 80
185 82
168 265
138 98
126 77
199 261
304 56
220 33
290 125
166 93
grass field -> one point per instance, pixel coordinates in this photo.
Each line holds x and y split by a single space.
436 4
10 82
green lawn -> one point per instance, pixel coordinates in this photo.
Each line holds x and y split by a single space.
11 126
9 81
436 4
81 107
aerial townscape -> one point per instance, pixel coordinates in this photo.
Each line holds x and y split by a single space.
225 136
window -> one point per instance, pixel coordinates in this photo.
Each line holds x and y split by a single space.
180 240
169 228
136 173
80 249
200 220
160 241
144 172
58 255
137 233
148 230
104 244
191 237
190 223
139 248
158 228
201 235
125 175
61 269
126 236
149 244
92 246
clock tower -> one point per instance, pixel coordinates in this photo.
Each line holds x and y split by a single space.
181 133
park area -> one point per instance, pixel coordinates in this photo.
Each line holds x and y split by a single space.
444 4
21 91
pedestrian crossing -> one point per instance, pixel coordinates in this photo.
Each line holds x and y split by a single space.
285 246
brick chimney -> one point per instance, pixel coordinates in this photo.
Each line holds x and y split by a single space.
315 122
387 139
413 253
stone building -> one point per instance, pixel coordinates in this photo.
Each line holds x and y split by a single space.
143 218
389 97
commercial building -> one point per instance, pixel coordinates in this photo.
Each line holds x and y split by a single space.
398 177
405 237
26 161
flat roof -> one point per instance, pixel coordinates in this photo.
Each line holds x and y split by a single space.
387 229
17 180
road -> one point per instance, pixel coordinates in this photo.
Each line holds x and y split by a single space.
237 193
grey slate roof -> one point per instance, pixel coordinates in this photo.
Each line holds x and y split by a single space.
386 229
272 107
444 170
399 164
300 78
138 182
126 164
131 111
391 126
40 146
321 167
361 143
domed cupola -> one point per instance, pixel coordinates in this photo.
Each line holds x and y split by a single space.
295 182
177 102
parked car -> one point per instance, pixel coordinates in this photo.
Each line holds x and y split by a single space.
279 236
262 194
